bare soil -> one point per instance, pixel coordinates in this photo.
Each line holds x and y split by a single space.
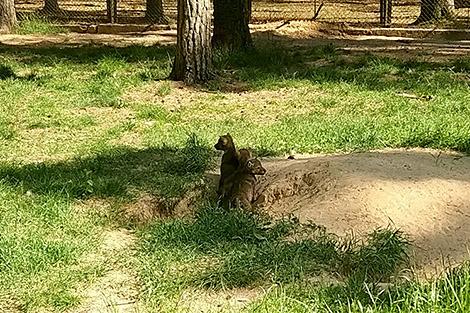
424 193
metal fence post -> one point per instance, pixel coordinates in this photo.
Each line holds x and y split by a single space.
111 10
385 12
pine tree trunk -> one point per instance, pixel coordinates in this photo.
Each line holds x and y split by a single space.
7 16
193 60
154 11
231 19
433 10
50 6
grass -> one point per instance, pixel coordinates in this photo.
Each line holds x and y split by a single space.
33 24
445 294
45 238
41 239
218 251
97 127
345 104
115 174
225 250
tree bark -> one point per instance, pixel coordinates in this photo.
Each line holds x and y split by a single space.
111 11
231 19
433 10
7 16
154 11
193 60
50 6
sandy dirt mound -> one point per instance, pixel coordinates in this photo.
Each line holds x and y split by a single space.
424 193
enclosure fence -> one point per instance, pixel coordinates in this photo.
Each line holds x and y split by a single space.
409 13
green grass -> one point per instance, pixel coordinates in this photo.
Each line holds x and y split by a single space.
41 239
118 174
46 241
83 126
33 24
347 103
223 250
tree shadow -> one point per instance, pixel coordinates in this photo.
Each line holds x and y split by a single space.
285 62
119 173
87 54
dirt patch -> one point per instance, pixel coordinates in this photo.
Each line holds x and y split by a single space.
257 106
118 289
230 300
425 193
312 178
305 34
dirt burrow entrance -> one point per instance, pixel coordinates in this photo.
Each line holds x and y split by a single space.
424 193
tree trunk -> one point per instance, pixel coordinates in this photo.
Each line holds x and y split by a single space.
51 6
154 11
231 19
433 10
111 11
7 16
193 60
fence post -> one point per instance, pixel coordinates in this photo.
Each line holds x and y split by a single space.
385 12
111 10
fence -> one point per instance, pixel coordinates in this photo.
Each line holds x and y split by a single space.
453 13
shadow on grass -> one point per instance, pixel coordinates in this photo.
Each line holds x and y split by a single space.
274 64
219 249
279 65
248 250
166 171
6 72
31 54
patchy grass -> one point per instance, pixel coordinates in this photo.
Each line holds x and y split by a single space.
445 294
220 250
98 123
308 100
119 174
41 241
45 243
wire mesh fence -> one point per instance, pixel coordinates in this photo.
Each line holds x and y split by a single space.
424 13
